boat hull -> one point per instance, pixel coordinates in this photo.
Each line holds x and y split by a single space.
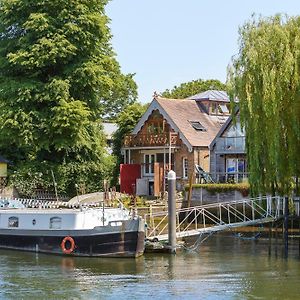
126 240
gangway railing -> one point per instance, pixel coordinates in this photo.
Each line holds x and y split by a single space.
216 217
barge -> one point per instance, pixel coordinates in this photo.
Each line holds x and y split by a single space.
81 231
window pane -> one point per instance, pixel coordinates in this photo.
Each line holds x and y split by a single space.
146 163
13 222
185 167
152 163
55 223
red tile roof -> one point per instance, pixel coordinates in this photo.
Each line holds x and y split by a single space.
183 111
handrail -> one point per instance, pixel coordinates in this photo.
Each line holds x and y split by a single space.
211 205
217 216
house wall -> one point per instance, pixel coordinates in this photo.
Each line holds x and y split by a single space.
180 154
230 145
202 158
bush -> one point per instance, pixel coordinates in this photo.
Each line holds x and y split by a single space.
34 175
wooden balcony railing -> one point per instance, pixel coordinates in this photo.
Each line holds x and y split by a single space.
144 140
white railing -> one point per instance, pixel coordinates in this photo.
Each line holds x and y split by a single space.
217 216
9 202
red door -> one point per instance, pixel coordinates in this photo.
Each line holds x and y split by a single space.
128 176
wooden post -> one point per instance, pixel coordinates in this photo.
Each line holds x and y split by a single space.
270 242
286 226
55 185
191 179
170 153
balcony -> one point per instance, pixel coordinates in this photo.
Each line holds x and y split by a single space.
151 140
229 177
231 144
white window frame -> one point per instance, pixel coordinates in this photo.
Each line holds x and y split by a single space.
185 167
151 156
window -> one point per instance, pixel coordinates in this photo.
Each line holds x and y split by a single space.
224 109
197 125
13 222
55 223
149 163
184 167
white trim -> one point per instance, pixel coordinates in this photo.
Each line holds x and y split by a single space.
153 106
150 163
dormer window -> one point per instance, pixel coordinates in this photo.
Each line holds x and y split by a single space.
197 126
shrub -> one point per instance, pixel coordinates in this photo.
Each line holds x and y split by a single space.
213 188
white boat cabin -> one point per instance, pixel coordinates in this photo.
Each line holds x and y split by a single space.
61 219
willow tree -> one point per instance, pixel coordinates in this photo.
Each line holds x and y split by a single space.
58 78
265 78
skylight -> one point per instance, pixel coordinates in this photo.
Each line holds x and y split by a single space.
197 125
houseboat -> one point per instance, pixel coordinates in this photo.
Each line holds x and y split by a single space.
80 231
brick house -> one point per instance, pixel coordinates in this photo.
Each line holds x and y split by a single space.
172 134
228 161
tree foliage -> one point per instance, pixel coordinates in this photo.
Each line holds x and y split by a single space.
58 78
265 77
126 121
193 87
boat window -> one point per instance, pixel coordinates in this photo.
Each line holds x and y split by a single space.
55 223
13 222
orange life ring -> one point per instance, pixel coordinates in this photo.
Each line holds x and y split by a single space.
63 245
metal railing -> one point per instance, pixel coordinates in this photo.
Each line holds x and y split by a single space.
216 217
229 177
6 202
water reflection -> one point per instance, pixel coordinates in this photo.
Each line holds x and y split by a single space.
224 267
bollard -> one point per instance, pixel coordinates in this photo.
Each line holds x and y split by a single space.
172 210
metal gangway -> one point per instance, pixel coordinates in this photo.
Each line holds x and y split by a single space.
216 217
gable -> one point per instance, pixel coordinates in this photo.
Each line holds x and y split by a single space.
155 106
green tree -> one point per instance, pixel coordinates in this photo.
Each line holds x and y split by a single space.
58 78
265 77
126 121
193 87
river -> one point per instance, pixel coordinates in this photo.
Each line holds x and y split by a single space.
224 267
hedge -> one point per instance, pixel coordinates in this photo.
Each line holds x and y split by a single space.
243 188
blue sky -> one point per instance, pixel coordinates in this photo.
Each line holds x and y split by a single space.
168 42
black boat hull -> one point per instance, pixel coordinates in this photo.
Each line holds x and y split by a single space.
119 241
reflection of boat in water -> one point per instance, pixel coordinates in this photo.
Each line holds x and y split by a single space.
81 231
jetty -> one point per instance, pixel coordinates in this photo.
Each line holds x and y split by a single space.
216 217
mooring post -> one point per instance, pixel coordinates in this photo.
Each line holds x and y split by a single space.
172 210
286 226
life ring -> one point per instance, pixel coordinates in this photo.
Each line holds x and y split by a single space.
72 245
